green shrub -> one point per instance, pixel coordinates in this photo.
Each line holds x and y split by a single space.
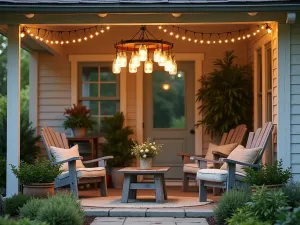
11 205
267 205
229 203
31 208
7 221
62 209
289 218
42 171
2 171
292 191
268 174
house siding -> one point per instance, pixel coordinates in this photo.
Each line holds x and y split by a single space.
295 98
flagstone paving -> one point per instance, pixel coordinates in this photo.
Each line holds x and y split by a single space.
148 221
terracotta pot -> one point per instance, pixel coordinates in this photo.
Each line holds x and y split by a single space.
270 187
79 132
116 177
146 163
42 190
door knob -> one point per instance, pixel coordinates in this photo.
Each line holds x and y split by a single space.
192 131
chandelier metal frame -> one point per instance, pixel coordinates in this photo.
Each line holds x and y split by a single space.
143 37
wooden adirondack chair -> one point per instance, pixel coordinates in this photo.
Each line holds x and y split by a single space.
235 135
227 179
74 176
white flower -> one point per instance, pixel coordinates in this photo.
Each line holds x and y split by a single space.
154 143
142 151
144 156
147 150
153 147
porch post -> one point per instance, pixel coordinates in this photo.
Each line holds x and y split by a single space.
13 108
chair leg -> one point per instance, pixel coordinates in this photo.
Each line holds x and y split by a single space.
103 187
73 178
216 191
185 182
202 191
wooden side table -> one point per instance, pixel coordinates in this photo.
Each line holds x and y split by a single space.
130 185
93 140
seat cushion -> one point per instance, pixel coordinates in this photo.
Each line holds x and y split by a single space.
193 167
217 175
86 172
226 149
242 154
61 154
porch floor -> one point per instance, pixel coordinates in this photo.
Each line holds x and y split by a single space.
100 209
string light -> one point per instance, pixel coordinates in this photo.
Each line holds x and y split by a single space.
61 37
224 37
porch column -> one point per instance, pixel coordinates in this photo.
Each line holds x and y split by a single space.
13 108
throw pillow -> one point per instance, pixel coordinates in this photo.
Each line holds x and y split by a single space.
61 154
242 154
226 149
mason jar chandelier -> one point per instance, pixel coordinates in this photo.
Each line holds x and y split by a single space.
140 48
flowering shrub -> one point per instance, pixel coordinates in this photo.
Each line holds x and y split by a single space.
146 150
78 117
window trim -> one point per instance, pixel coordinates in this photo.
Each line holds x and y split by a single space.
76 59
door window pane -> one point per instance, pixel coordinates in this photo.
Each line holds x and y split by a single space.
168 100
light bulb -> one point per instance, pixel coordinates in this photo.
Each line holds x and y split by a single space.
195 40
239 38
183 38
171 33
165 30
208 42
226 41
61 42
116 68
51 42
160 27
166 87
257 31
173 71
143 53
248 35
135 59
132 67
156 55
67 42
254 33
85 38
123 59
177 36
269 30
31 34
79 39
148 66
168 64
22 34
201 41
102 30
262 27
232 40
74 41
162 59
189 39
119 54
47 41
244 37
214 42
28 31
220 41
91 36
56 42
107 27
41 39
96 33
37 37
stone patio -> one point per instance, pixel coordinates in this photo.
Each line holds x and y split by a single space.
148 221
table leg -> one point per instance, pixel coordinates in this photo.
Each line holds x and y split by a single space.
164 186
126 186
159 193
132 193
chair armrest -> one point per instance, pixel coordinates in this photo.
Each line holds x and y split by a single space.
97 160
186 156
205 160
230 161
68 160
219 154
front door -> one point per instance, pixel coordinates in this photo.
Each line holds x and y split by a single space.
169 114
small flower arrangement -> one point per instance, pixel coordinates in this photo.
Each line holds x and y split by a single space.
78 117
146 150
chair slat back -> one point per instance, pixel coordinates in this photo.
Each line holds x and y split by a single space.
52 138
235 135
260 139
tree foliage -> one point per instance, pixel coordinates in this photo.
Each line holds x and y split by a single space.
226 96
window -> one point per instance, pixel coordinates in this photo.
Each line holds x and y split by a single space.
268 78
99 90
259 87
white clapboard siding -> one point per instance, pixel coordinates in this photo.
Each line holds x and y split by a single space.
54 90
295 100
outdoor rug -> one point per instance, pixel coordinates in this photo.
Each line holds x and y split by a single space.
142 202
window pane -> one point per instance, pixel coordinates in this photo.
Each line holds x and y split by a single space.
89 90
109 107
101 124
107 75
90 73
168 100
95 130
108 90
93 106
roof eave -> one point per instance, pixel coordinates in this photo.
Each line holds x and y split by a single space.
151 8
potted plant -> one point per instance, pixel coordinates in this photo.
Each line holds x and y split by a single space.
272 176
78 119
226 96
38 178
118 144
145 152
